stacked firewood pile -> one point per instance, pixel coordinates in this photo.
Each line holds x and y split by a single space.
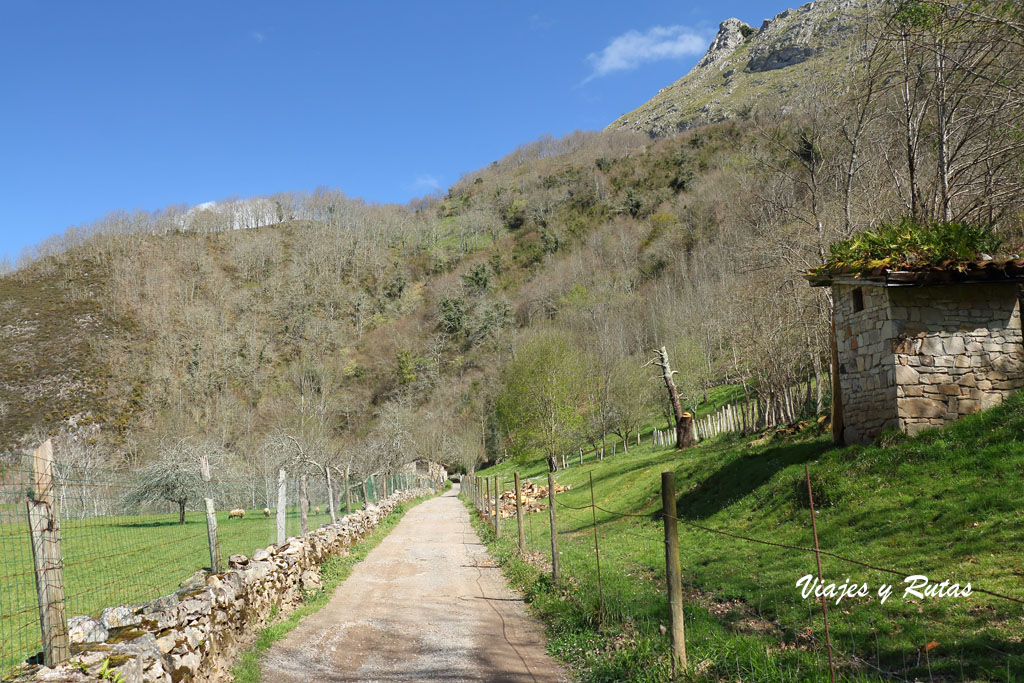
531 497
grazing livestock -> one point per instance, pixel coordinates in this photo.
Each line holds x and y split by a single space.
266 512
316 510
237 512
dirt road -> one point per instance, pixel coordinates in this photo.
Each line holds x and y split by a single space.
427 604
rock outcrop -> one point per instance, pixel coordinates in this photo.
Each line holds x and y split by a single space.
791 57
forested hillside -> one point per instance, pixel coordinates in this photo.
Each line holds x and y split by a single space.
369 335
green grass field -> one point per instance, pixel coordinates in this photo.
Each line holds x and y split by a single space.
120 560
946 504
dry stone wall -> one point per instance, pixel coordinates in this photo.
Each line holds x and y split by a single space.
866 371
917 357
958 350
196 632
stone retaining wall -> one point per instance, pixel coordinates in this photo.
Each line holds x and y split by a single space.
196 632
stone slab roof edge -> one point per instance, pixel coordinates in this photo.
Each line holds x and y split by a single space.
946 273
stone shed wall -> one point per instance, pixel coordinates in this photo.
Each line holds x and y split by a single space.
867 373
195 633
958 349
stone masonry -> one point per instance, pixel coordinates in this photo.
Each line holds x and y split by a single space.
922 356
194 633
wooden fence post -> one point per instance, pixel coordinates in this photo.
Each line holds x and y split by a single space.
211 513
487 497
303 506
366 495
672 573
44 527
497 494
330 495
348 495
554 528
519 516
282 501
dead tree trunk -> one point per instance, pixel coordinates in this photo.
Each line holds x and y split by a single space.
684 421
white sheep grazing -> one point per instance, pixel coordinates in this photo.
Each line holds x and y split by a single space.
316 510
237 512
266 512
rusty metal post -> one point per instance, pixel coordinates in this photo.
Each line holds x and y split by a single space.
817 557
597 553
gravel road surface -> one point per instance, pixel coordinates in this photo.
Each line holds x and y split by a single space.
427 604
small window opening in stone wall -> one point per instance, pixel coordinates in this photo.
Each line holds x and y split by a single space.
858 299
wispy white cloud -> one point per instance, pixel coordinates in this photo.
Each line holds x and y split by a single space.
539 22
426 182
257 36
633 48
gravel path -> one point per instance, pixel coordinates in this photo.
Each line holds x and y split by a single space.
427 604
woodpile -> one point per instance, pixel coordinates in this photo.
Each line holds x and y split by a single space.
531 496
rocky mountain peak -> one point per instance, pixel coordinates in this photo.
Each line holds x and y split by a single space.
791 54
730 36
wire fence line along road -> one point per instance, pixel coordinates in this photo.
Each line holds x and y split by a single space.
616 566
76 540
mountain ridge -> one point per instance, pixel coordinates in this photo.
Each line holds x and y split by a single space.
745 67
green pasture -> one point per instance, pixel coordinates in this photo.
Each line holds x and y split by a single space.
120 560
948 504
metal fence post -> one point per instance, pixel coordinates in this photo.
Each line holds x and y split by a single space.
282 501
672 573
44 527
554 528
817 557
519 517
211 513
597 553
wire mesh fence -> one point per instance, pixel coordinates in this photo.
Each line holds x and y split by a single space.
745 616
118 539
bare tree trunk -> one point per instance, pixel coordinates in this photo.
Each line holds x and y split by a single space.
552 463
684 421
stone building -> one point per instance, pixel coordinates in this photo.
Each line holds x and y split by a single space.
918 349
425 468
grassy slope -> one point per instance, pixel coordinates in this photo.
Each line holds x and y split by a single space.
51 369
945 504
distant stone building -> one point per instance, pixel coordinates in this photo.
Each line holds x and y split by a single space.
918 349
425 468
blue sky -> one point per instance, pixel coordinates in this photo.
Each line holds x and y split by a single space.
130 105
